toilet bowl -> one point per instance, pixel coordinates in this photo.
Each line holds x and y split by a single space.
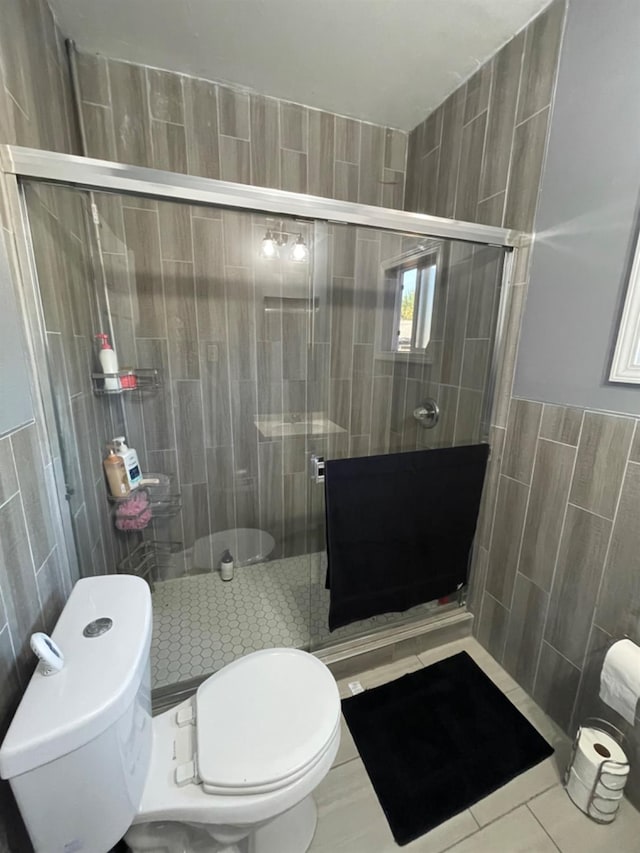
264 732
230 770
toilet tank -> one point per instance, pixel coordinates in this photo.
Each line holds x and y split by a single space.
78 749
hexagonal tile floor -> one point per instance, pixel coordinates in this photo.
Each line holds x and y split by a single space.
202 623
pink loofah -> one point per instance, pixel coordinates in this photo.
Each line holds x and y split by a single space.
134 513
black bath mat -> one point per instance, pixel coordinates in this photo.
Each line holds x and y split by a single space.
438 740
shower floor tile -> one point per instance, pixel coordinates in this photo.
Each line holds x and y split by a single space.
202 623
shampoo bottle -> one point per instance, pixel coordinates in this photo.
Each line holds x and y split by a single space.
130 459
116 475
109 363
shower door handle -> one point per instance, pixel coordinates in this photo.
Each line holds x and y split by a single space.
427 414
317 468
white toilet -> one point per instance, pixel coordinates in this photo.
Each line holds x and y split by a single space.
231 769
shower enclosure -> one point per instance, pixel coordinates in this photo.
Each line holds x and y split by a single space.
266 332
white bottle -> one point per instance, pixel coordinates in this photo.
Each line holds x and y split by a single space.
109 363
130 459
226 566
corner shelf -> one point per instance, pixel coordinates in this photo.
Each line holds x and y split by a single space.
146 378
162 502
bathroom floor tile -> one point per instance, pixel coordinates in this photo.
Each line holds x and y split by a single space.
350 819
516 792
574 832
380 675
531 814
489 665
517 832
348 749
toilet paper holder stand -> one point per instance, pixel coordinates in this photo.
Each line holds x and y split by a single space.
606 763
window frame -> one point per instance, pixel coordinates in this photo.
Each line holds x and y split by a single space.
393 269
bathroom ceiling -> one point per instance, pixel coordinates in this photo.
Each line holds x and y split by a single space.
385 61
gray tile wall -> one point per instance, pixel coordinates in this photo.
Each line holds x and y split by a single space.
35 579
165 120
235 341
560 551
478 157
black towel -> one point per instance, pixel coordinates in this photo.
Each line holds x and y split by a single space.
400 528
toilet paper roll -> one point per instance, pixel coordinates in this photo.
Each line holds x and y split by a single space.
601 808
597 752
620 679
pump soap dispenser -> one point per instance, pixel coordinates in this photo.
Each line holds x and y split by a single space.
109 362
130 459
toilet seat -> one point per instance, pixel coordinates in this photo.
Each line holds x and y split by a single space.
175 745
264 721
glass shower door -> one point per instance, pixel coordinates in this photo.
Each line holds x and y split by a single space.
401 321
217 306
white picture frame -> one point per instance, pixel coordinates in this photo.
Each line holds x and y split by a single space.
625 366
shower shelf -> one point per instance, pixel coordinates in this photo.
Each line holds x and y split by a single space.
162 501
147 379
146 558
162 506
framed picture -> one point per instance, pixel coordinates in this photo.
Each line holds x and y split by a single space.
625 366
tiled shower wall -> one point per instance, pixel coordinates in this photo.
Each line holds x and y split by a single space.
35 577
478 156
149 117
238 338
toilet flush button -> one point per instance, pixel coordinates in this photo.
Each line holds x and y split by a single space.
97 627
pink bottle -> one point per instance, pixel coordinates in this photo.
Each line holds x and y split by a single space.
109 362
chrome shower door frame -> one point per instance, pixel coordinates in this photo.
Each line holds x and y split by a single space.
19 164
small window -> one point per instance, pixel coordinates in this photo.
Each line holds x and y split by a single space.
416 285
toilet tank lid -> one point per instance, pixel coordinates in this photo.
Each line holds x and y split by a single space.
100 677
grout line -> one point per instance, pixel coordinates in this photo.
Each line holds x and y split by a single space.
551 646
555 441
533 115
590 511
539 822
10 498
515 479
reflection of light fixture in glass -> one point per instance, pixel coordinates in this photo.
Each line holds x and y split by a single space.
300 250
269 247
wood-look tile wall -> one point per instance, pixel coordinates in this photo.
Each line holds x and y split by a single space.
35 578
478 157
557 570
238 338
149 117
